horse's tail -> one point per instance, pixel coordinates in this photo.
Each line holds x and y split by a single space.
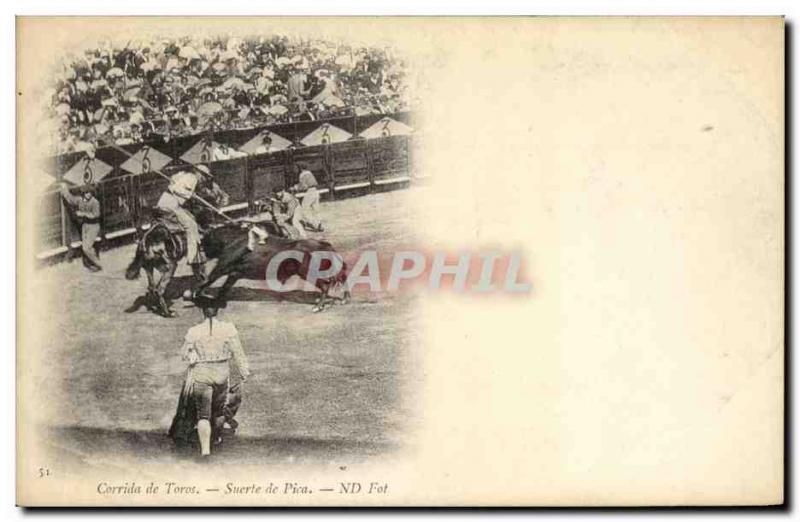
132 272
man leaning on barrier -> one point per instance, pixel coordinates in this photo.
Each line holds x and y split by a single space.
87 209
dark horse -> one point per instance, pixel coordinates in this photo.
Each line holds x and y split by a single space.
161 248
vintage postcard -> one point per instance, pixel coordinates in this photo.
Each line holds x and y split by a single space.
400 261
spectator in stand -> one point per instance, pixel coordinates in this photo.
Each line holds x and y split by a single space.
297 86
326 87
163 86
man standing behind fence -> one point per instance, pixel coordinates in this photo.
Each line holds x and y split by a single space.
307 184
87 209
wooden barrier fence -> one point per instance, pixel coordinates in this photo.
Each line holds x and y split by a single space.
126 199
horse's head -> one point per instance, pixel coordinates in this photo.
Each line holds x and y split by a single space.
159 242
156 248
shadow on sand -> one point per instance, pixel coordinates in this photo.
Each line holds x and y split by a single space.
85 444
179 285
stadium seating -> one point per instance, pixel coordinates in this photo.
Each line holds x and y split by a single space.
169 88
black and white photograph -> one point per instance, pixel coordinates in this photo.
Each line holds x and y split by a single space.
181 166
377 261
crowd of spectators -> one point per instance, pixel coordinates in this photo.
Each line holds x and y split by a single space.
176 87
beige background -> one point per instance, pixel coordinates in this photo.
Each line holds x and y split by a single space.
638 166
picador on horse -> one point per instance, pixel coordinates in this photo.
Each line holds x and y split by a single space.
179 204
174 204
242 248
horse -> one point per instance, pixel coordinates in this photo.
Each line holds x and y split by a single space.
229 244
162 247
